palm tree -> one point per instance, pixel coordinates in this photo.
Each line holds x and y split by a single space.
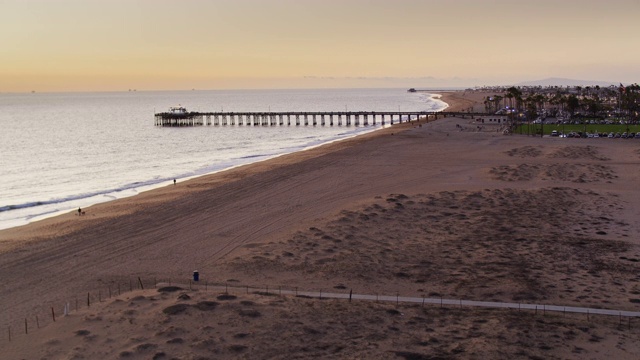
630 101
515 93
593 105
540 101
498 101
573 103
556 99
563 102
509 96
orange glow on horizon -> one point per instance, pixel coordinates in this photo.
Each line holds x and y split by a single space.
94 45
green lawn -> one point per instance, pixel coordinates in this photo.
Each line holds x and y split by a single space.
535 128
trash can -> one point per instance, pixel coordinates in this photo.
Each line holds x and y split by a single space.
196 276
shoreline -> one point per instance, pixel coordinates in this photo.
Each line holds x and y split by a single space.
462 100
85 204
50 219
61 224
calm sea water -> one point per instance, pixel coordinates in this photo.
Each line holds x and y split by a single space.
61 151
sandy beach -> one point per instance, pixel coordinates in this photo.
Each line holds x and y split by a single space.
448 208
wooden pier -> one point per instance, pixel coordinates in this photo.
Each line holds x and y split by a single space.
347 118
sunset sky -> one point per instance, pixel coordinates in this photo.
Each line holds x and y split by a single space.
98 45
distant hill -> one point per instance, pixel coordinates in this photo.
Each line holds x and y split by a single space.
565 82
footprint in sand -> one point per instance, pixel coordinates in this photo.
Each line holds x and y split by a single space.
578 152
525 151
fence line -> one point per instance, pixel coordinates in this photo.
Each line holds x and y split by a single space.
434 301
25 326
47 314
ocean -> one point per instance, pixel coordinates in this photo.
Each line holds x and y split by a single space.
61 151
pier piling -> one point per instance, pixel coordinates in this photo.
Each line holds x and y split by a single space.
348 118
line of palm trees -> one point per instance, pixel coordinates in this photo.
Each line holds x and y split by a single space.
526 103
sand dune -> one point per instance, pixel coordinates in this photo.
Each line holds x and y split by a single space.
483 245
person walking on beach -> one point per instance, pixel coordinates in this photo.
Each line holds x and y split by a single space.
174 181
79 211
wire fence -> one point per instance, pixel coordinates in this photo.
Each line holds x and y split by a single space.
41 318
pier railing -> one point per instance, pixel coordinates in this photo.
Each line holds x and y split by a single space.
330 118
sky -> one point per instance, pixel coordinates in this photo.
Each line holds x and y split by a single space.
116 45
